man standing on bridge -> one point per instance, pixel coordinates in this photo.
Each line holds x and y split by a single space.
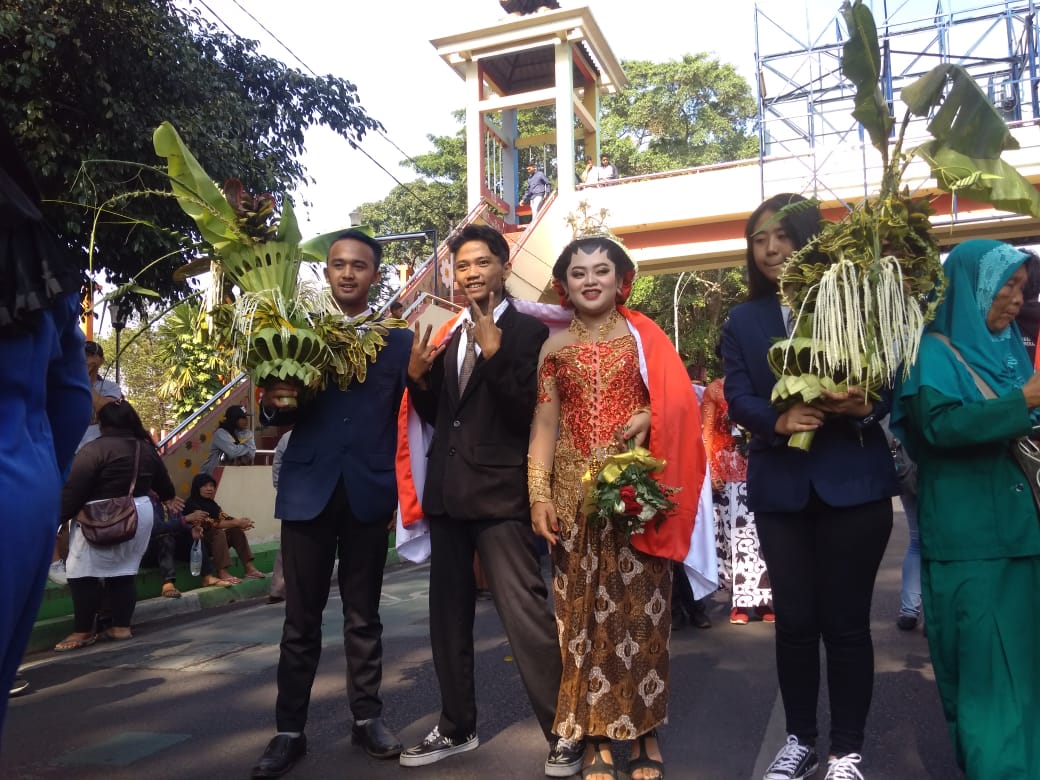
537 188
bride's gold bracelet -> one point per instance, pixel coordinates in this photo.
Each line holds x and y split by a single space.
539 482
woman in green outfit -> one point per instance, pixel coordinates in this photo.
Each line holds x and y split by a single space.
980 531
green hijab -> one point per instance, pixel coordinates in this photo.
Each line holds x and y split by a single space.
976 270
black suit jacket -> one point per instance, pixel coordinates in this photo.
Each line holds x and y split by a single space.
477 464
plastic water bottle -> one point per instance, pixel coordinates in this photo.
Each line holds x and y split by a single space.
196 558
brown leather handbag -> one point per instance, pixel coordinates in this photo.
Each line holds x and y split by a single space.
111 521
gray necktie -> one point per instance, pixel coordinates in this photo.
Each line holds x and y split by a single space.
469 359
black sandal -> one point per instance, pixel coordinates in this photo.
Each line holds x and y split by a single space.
598 765
644 761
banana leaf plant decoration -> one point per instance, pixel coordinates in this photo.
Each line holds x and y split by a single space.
860 311
277 328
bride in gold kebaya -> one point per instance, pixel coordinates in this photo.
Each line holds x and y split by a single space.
611 378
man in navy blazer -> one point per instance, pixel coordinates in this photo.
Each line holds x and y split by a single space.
337 490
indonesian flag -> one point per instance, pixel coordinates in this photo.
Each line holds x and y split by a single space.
413 442
688 535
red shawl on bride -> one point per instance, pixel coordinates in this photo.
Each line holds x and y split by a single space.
675 436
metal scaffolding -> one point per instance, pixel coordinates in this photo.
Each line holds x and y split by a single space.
805 106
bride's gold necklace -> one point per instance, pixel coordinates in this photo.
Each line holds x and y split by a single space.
577 327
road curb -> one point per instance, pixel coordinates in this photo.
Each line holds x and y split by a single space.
48 632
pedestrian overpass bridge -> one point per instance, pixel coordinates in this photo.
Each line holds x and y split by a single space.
694 219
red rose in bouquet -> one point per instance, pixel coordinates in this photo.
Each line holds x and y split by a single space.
628 496
625 493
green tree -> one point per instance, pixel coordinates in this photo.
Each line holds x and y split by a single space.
435 202
705 297
141 372
89 80
193 368
678 114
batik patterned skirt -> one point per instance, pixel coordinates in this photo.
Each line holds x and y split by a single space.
741 567
613 610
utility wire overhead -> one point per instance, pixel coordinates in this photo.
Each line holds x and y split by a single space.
430 210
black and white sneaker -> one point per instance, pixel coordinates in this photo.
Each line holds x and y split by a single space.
435 747
794 761
844 767
565 758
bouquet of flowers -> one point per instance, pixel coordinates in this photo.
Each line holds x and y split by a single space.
276 328
625 494
864 288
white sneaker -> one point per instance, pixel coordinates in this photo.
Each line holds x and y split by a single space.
794 761
844 768
56 574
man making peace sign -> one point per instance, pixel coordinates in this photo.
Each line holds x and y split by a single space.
478 390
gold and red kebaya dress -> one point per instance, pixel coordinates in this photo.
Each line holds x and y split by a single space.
612 601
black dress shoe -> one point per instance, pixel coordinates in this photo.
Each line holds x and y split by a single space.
282 752
378 740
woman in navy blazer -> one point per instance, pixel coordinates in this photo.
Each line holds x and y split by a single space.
824 517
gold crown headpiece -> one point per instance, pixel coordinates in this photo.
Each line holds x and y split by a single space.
586 223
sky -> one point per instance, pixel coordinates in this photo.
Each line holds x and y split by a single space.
384 49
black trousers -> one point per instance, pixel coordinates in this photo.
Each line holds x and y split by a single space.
167 548
119 593
508 556
308 554
822 564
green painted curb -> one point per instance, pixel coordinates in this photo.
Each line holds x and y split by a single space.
54 621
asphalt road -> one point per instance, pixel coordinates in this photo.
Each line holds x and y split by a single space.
193 697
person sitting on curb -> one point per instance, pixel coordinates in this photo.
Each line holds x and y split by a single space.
220 530
172 536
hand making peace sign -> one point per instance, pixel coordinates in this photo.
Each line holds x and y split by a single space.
485 331
423 354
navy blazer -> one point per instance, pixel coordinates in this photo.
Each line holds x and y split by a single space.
348 435
848 464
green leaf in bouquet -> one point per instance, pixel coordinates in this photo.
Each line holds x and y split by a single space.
999 184
317 248
286 353
966 119
196 192
257 268
791 355
861 64
802 440
286 370
288 228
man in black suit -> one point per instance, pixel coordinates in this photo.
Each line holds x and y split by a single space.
337 491
478 389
